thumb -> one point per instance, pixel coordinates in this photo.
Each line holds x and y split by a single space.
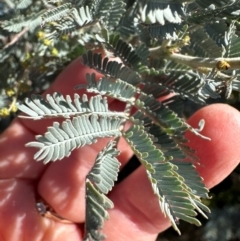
220 156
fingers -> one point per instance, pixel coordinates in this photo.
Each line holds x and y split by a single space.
16 159
133 198
73 74
69 175
19 219
62 185
136 214
221 155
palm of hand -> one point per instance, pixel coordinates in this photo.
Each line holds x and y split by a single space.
136 215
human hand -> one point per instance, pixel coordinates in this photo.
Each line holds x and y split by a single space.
136 215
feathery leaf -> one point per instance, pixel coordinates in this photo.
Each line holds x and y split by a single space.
60 141
106 167
58 106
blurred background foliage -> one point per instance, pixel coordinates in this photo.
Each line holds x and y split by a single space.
29 60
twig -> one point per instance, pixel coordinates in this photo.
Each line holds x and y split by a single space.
234 63
9 4
219 74
195 62
16 38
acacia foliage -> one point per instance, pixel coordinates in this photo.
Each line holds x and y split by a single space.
186 48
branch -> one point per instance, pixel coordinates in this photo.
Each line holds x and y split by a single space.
10 4
167 52
219 74
219 63
16 38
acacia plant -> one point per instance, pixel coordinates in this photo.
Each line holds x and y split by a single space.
189 49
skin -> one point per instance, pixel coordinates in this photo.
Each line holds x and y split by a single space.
136 215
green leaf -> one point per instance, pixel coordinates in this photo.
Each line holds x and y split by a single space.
110 12
143 147
31 22
106 167
111 68
57 106
188 171
56 13
117 89
60 141
96 212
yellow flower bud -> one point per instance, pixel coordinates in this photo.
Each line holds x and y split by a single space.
14 109
40 34
223 65
47 42
54 52
64 37
4 112
9 92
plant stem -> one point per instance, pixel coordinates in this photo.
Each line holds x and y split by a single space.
196 62
16 38
167 52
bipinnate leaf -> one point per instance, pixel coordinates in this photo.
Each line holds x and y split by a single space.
100 181
60 141
191 178
96 212
111 68
122 50
117 89
57 106
56 13
110 11
31 22
176 198
104 172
